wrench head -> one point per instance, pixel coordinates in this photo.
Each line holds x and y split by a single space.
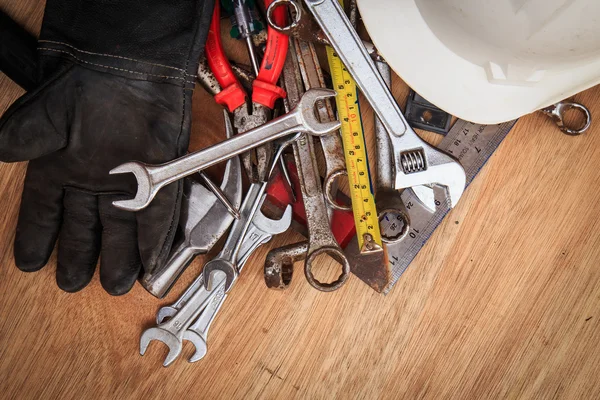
219 264
164 313
273 226
156 333
306 112
199 343
145 192
440 169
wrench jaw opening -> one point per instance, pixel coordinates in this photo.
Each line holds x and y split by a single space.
173 343
425 165
199 344
338 255
230 271
307 114
144 194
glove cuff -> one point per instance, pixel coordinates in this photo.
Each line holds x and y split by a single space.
159 41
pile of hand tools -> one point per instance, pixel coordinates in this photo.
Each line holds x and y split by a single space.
294 128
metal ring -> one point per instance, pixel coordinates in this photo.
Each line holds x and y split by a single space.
328 188
337 255
405 227
297 15
566 106
557 112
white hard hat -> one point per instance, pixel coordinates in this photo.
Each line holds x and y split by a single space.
489 61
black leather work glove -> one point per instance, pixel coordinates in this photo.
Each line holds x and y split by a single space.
117 80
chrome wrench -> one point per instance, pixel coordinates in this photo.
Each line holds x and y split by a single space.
151 178
197 333
171 332
261 231
415 161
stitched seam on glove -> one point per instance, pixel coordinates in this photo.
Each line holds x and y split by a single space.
115 68
113 56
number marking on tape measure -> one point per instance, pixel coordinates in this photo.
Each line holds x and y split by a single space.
355 152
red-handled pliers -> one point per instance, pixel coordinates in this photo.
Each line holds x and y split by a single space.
264 88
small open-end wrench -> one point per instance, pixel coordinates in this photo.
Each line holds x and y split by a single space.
321 239
415 161
333 150
171 332
151 178
261 231
198 331
227 259
204 219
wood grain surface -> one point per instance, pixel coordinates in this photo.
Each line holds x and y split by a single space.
502 302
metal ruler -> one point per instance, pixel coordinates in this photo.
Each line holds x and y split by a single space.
355 152
472 144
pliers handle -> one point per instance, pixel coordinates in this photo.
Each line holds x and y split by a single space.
264 88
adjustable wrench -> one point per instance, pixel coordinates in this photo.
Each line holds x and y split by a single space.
151 178
391 211
415 161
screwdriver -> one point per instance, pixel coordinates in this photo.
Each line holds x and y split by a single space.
245 24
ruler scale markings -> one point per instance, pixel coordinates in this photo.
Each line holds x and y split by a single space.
473 144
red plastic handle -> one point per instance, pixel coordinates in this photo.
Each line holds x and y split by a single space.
232 94
264 88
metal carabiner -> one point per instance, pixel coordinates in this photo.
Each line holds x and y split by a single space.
557 113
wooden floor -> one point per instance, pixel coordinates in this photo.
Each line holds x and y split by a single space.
503 301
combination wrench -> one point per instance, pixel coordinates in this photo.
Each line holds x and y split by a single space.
197 333
415 161
333 150
321 239
151 178
261 231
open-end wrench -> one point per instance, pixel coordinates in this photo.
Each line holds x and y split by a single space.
261 231
171 332
333 150
415 161
151 178
198 331
321 239
227 259
204 219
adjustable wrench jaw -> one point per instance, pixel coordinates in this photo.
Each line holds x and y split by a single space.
424 165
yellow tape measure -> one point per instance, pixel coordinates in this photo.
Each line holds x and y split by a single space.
355 152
